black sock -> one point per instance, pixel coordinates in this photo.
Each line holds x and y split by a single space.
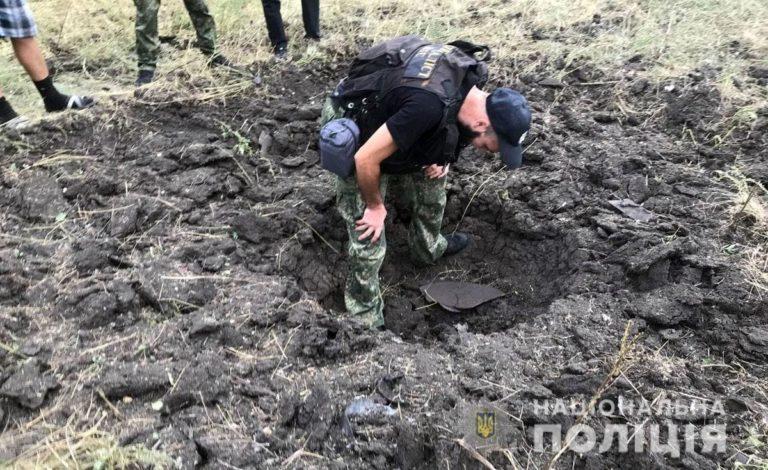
6 111
54 100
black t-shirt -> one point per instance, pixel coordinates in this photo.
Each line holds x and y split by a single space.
413 118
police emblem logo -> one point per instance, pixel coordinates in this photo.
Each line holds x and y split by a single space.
485 427
485 424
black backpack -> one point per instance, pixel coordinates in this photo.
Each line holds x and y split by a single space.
444 69
447 70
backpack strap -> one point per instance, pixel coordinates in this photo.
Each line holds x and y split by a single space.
472 49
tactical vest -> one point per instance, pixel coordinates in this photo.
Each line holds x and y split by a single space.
446 70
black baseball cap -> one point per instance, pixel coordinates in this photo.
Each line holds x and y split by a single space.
511 119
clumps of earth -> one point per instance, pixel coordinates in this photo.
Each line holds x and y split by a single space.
173 273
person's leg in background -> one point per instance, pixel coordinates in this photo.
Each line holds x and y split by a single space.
204 25
275 27
147 40
18 25
30 56
310 12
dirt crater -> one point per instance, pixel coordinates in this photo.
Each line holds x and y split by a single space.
257 239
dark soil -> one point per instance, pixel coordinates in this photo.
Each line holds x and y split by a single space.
145 256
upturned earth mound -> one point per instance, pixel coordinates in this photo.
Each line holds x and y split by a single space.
171 275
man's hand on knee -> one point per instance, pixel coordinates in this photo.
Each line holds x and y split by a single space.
436 171
372 223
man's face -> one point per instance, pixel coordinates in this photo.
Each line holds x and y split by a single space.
487 141
481 136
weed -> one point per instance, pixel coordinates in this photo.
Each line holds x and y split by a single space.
72 447
673 38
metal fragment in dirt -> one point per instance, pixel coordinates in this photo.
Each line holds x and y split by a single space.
365 411
632 210
365 407
455 296
551 82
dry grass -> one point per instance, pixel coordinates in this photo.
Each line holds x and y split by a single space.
755 268
748 209
750 206
94 39
78 446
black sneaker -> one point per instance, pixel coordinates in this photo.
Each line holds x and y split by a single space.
313 38
281 52
145 77
218 60
457 241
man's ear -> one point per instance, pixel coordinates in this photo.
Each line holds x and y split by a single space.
481 125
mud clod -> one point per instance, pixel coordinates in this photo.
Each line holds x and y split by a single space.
255 229
643 261
199 384
41 198
314 416
569 385
125 218
174 442
199 154
29 385
174 290
134 380
754 342
199 184
667 310
98 309
203 324
90 256
326 338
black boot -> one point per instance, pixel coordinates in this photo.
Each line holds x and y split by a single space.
6 111
145 77
457 241
218 60
281 52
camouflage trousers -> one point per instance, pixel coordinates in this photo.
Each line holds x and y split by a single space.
147 41
426 198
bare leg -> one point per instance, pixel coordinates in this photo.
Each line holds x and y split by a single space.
31 58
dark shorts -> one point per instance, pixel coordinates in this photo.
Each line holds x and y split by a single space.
16 20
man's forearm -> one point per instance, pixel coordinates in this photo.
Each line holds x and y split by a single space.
368 179
368 165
